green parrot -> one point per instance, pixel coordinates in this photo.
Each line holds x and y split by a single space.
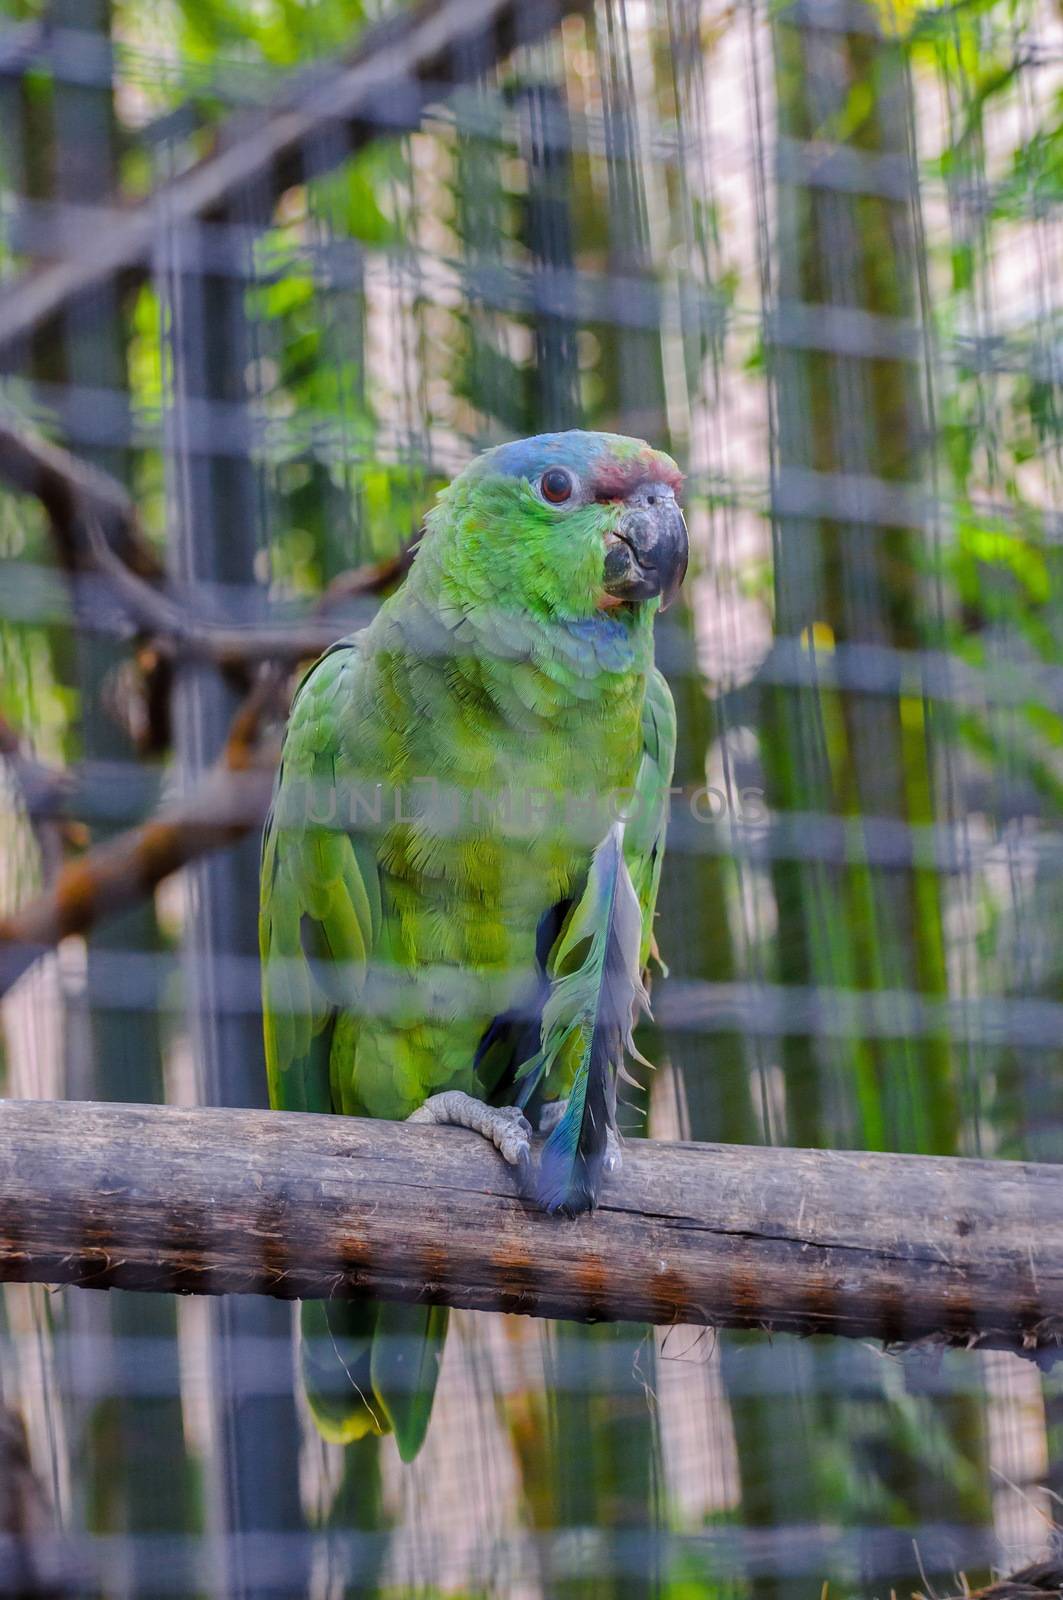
460 866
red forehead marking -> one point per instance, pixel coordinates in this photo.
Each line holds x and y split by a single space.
614 480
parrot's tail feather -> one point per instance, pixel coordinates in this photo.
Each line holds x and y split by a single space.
592 1011
407 1352
370 1367
336 1357
570 1169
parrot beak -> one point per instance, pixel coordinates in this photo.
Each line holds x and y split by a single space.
646 554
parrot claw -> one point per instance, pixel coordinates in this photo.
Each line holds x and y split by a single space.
614 1156
550 1115
505 1126
523 1165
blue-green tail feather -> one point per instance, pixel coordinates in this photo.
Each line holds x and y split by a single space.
590 1015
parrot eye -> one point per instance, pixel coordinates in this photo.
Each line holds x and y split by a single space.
556 486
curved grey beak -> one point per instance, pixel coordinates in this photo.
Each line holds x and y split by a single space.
647 554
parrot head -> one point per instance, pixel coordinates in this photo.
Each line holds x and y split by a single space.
566 524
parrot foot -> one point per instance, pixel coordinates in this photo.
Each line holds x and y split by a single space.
505 1126
551 1114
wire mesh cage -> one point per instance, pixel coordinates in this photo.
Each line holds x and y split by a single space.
272 275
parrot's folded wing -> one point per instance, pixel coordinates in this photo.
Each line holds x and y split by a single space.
318 927
320 906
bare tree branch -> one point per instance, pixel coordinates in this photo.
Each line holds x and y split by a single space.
383 85
230 800
96 529
83 504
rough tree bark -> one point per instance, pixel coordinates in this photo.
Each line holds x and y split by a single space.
210 1201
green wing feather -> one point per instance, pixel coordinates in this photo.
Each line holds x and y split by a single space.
404 1368
648 824
597 968
319 917
367 1367
588 1020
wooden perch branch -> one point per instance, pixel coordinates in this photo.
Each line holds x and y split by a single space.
889 1247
